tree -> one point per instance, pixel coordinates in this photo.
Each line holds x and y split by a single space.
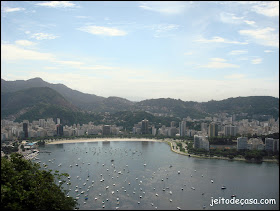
25 186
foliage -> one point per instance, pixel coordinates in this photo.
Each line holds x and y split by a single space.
25 186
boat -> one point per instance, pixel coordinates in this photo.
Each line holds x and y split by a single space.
212 181
178 172
193 188
233 196
223 187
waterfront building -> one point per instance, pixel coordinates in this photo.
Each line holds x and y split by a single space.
271 144
145 126
242 143
106 130
59 130
201 142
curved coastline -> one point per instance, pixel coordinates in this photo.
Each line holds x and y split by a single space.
168 141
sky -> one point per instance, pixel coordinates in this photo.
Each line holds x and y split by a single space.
193 51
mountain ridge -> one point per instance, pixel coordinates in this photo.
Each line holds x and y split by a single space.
253 105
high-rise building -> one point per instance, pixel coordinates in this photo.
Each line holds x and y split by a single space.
145 126
201 142
59 130
213 130
182 128
242 143
25 129
106 130
230 130
269 144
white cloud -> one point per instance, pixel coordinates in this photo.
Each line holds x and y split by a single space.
230 18
10 9
256 61
24 43
56 4
43 36
268 51
188 53
72 63
217 39
267 8
238 52
165 7
263 36
12 52
250 22
235 76
218 63
102 30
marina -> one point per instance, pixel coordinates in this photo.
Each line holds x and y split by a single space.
128 184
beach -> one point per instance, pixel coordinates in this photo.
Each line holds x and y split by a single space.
65 141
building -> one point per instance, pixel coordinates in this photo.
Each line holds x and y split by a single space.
182 128
230 130
242 143
145 126
59 130
271 144
25 129
106 130
213 130
201 142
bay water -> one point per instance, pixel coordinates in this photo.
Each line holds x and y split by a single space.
136 175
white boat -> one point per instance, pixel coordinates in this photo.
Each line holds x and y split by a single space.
178 172
193 188
223 187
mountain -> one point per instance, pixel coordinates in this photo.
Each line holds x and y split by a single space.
251 106
37 103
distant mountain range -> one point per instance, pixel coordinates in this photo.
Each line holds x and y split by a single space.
38 98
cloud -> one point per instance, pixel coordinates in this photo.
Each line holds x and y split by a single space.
43 36
102 30
12 52
218 63
263 36
267 8
56 4
217 39
250 22
268 51
188 53
238 52
9 9
165 7
235 76
24 43
256 61
162 30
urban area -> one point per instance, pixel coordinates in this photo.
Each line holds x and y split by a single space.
245 134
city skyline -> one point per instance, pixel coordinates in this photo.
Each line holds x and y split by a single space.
194 51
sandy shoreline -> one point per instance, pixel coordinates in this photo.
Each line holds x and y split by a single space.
102 139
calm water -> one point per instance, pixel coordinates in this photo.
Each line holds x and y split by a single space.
140 186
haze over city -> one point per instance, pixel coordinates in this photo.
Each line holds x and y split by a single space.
141 50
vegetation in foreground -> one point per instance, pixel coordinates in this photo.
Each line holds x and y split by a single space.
24 186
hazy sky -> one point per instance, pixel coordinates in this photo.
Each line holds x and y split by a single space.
141 50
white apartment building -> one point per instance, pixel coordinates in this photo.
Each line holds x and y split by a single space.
242 143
